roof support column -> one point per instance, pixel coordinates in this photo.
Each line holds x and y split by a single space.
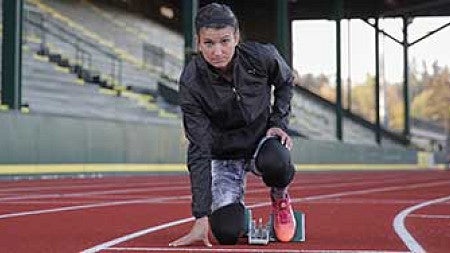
406 129
190 8
283 28
12 54
377 84
338 10
349 66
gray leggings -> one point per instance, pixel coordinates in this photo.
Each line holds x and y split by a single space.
228 182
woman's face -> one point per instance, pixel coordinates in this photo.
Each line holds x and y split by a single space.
218 45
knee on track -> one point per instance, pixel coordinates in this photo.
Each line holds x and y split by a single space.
227 223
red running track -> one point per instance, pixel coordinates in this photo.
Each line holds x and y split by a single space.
389 211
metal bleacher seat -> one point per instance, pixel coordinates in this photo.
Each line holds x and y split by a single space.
316 119
124 31
46 89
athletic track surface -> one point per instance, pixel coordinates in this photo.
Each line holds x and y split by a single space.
346 212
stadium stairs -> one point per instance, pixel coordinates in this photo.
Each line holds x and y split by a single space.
51 89
51 85
149 52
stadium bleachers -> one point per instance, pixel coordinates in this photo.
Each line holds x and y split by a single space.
125 33
106 32
315 118
49 89
104 58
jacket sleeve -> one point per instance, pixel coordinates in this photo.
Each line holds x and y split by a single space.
198 132
280 75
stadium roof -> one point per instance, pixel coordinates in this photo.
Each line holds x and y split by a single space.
326 9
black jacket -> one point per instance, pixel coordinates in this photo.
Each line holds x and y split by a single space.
226 120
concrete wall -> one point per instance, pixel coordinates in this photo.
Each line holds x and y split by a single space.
333 152
53 140
34 139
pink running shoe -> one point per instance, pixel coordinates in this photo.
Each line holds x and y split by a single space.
284 223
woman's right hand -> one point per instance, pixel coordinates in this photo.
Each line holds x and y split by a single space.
199 232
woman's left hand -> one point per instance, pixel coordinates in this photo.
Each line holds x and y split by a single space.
199 233
285 138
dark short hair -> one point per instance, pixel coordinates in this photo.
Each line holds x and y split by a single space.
215 15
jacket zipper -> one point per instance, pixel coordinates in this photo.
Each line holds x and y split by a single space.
236 92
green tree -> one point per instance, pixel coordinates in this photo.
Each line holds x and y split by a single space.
363 98
394 100
433 103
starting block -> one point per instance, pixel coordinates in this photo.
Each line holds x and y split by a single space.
257 232
262 234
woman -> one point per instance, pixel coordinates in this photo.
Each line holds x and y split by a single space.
233 128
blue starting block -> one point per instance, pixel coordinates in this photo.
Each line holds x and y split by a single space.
262 234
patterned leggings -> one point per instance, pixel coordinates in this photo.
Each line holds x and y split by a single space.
229 180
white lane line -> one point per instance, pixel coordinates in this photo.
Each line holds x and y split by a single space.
137 234
124 238
86 185
349 201
153 200
164 188
346 184
360 192
102 204
92 193
344 179
27 203
92 201
80 207
429 216
94 205
249 250
334 185
402 232
98 185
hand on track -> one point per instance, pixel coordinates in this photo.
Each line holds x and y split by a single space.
199 232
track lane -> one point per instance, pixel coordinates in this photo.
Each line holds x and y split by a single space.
70 231
338 238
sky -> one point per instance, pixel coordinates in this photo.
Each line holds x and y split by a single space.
314 47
